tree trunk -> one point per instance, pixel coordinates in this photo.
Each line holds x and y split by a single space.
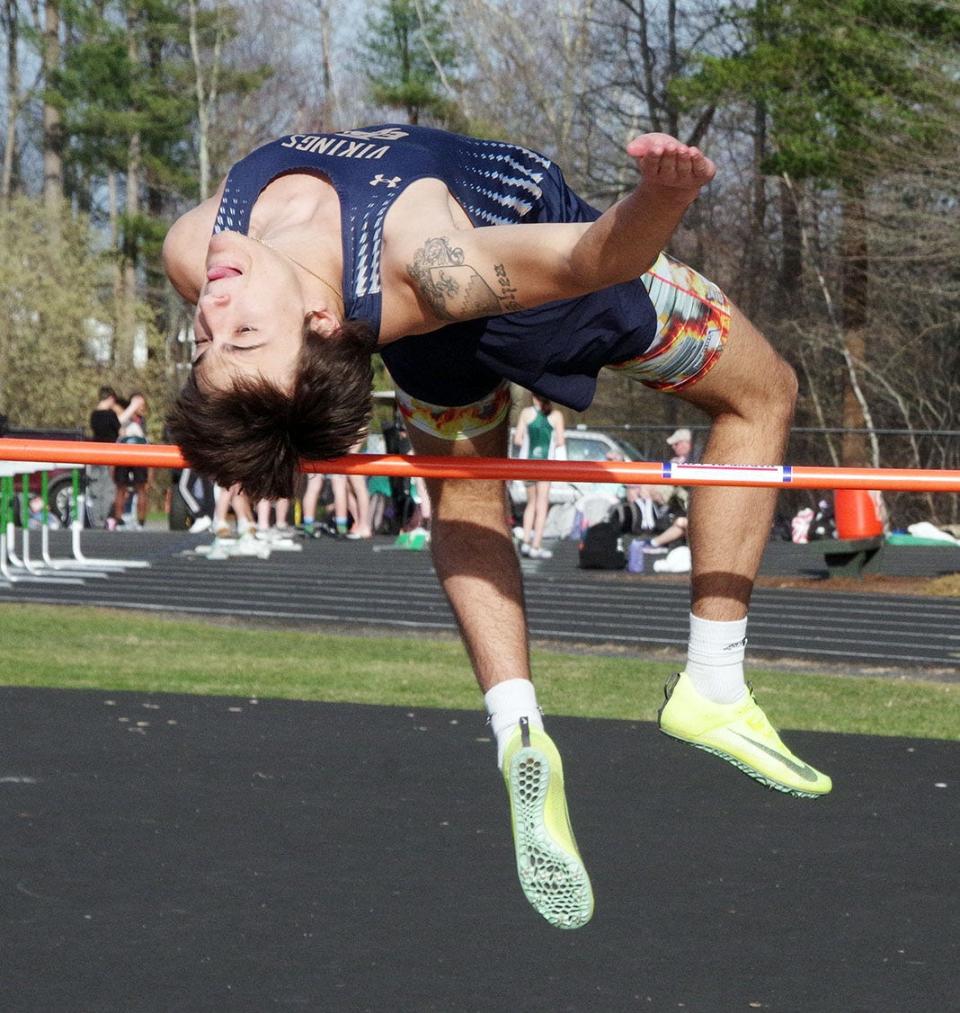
11 25
124 343
113 219
203 107
752 285
854 260
791 254
52 126
674 70
329 113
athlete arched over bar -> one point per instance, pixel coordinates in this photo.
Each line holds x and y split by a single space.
468 263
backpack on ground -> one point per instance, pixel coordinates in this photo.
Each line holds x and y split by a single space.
627 517
601 547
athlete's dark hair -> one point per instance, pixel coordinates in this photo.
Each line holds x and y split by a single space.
255 433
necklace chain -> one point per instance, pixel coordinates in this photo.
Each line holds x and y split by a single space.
303 267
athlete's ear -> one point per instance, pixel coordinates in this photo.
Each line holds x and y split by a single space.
323 323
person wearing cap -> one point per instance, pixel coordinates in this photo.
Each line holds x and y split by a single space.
681 443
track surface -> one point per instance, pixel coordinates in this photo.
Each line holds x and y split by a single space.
169 853
204 854
356 584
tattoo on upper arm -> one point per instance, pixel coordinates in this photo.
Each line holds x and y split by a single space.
508 294
455 290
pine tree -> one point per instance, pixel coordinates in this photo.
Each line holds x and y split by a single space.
410 60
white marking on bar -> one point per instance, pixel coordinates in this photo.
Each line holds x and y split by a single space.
754 473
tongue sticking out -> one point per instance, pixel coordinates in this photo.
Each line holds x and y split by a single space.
215 273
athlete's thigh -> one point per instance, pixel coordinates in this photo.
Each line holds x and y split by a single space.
749 375
449 493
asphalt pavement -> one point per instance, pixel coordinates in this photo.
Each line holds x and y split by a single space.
219 855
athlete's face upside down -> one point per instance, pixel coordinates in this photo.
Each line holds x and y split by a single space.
250 314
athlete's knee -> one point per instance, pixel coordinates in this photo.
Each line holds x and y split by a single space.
783 389
767 385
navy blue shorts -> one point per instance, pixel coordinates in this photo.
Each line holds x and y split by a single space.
555 350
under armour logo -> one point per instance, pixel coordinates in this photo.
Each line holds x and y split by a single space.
392 183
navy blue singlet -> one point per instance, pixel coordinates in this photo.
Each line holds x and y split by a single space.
555 350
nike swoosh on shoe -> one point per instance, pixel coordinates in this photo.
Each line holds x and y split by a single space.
800 769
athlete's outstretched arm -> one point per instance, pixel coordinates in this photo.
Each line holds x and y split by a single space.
460 274
627 238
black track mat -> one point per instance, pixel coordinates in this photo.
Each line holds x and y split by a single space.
171 853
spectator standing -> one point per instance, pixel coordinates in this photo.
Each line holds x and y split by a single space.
353 490
314 526
347 490
101 490
196 491
136 479
540 436
224 544
281 510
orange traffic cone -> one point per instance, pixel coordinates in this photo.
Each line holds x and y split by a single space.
857 513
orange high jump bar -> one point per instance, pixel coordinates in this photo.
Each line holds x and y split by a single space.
628 473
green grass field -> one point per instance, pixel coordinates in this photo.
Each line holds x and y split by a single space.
89 648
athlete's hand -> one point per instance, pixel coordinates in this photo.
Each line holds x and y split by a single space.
664 161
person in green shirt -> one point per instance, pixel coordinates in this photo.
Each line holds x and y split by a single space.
539 436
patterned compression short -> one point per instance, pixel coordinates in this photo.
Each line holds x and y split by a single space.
694 322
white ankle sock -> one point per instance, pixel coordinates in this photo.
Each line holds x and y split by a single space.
715 658
506 703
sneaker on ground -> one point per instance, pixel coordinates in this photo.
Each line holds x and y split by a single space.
549 865
285 545
739 733
540 553
525 549
249 545
219 548
201 524
279 538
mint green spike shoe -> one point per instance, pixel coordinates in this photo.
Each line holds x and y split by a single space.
741 734
551 871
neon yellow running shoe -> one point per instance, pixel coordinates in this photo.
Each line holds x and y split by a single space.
739 733
551 871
